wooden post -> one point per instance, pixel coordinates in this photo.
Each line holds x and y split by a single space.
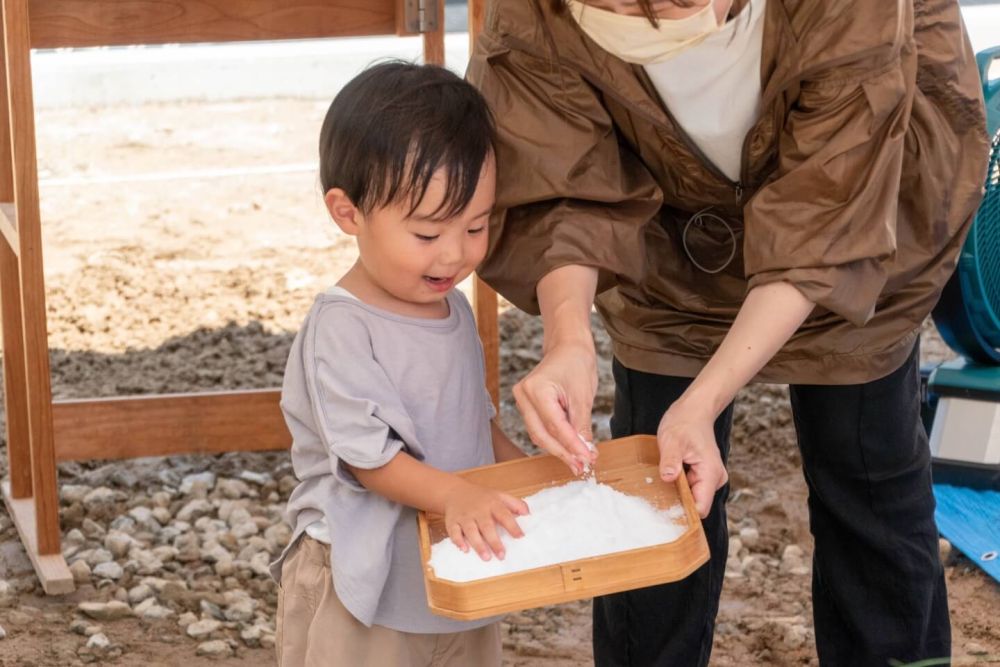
15 394
32 495
477 16
25 179
484 305
484 299
434 39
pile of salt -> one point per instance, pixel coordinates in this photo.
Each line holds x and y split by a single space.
577 520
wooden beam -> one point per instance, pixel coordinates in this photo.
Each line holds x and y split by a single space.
59 23
32 283
51 569
165 425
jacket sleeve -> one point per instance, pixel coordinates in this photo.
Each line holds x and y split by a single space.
568 190
826 219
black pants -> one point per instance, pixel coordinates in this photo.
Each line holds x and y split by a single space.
878 585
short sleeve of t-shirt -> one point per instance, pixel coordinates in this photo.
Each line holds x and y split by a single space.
358 410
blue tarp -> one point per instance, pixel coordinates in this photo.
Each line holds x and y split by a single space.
970 520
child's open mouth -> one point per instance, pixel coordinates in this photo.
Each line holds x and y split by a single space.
439 284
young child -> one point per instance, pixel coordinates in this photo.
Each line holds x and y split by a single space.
384 392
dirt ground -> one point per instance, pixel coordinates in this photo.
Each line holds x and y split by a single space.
170 269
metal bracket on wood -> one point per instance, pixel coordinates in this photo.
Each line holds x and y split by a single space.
421 15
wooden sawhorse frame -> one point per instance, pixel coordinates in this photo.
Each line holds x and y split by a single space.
41 431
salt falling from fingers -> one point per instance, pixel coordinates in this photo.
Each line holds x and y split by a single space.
588 470
577 520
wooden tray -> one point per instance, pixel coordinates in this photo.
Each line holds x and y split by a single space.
625 464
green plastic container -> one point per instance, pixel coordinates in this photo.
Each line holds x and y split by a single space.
991 87
968 314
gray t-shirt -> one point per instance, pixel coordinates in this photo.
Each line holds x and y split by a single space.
361 385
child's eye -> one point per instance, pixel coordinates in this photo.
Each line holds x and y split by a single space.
425 238
477 230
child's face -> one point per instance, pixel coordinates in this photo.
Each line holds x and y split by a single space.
415 261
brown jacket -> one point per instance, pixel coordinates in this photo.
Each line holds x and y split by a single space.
859 180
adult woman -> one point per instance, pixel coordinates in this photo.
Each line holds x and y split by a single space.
753 190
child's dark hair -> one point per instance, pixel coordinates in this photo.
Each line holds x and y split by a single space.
394 125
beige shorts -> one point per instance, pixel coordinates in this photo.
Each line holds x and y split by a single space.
314 628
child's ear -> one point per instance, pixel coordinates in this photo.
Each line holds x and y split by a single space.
342 210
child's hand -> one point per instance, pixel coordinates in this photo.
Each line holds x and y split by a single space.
471 514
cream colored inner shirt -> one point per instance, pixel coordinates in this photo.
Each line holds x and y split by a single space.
713 89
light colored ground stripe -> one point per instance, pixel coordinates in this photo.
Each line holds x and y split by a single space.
314 69
198 174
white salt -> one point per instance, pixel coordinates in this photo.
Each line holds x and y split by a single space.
577 520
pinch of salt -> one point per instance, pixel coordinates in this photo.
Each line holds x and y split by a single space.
586 464
577 520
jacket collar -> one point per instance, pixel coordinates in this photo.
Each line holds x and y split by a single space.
564 42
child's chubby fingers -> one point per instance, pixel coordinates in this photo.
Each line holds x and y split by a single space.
515 504
488 530
475 539
455 533
505 518
505 515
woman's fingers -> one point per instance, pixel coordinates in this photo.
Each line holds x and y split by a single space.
546 405
671 460
555 400
706 476
685 446
558 425
704 483
539 434
582 425
575 403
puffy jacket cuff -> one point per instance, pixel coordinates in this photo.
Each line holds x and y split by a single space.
848 290
610 239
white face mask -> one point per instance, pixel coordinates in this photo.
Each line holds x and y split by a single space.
635 40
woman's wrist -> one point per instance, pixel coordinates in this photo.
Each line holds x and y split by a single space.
565 298
567 325
704 399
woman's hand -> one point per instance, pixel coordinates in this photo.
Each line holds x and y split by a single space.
555 400
471 515
556 397
686 437
769 316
